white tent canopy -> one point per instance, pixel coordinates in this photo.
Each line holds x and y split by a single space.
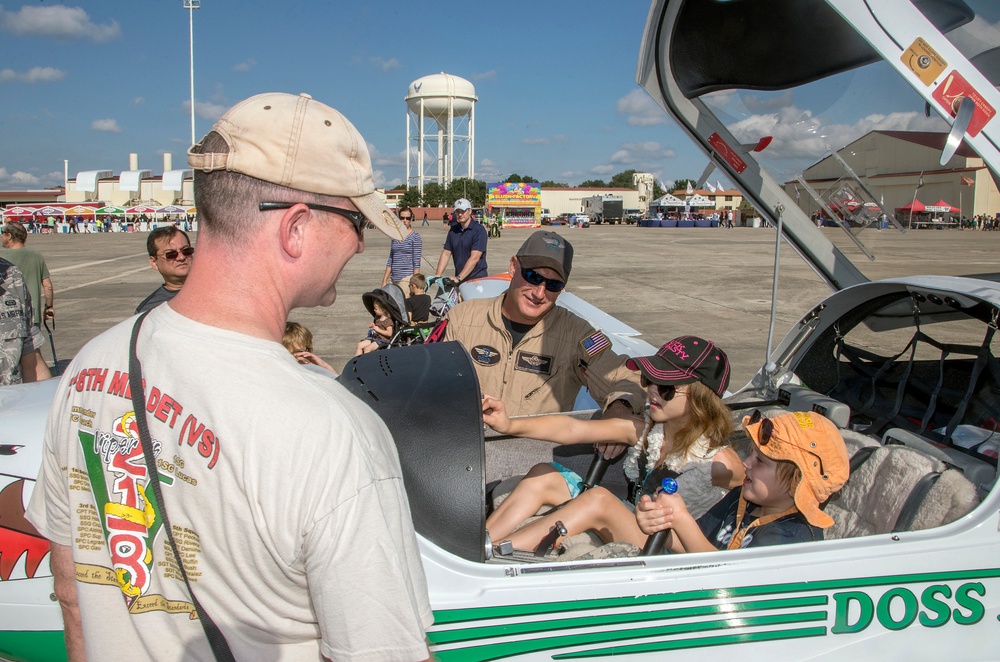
667 200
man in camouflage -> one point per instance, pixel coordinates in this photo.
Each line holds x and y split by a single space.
19 338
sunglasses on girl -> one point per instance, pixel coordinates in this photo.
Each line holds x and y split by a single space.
173 253
406 218
666 391
534 278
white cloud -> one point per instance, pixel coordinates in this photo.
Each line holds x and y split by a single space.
388 160
33 75
487 163
20 179
109 125
603 169
800 135
535 141
138 101
245 66
633 153
58 21
485 75
640 109
206 110
383 64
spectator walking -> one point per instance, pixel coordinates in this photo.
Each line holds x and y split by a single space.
466 244
404 256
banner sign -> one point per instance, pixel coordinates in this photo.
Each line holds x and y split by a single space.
514 194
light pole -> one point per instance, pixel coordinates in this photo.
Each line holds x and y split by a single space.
191 5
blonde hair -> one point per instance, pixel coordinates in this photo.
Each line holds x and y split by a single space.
297 338
788 475
707 417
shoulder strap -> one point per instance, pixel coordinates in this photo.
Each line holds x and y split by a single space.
220 647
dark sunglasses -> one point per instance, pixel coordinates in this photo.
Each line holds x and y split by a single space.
356 218
767 433
173 253
666 391
406 218
535 278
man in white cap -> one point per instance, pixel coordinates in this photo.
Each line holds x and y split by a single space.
282 491
466 243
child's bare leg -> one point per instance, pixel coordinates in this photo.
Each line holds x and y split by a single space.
542 486
596 509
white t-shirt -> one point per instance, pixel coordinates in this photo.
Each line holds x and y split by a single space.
284 492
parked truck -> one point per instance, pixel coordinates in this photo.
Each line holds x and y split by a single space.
603 208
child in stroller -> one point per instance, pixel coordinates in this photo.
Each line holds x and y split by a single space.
387 306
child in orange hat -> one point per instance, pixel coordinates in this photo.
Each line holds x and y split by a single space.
799 460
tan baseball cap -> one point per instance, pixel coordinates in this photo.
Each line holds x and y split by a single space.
295 141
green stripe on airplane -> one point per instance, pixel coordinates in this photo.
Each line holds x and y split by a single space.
446 616
497 650
631 617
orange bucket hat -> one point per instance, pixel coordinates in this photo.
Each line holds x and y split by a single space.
815 446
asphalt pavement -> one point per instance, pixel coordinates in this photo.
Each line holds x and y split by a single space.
664 282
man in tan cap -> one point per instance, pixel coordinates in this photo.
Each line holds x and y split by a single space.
283 492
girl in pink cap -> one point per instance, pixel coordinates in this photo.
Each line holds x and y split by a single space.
684 430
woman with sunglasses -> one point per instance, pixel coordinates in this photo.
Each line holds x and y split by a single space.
685 430
404 255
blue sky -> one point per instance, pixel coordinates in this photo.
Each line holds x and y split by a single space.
92 81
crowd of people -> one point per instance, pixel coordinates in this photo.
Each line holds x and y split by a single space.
105 223
314 554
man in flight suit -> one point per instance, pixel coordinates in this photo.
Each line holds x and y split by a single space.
534 355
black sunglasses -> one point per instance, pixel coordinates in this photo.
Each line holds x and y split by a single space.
357 219
535 278
406 218
767 434
173 253
666 391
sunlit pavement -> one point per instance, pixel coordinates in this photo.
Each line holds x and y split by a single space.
663 281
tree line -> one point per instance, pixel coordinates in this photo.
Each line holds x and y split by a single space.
474 190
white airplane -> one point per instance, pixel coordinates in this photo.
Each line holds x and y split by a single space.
906 367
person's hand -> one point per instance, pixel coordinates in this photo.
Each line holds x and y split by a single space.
50 313
611 451
651 516
305 357
495 414
672 502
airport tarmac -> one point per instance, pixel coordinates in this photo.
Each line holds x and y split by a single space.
664 282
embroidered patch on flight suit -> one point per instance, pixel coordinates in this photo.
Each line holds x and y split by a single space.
537 363
595 343
485 355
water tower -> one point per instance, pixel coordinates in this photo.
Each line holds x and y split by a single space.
440 130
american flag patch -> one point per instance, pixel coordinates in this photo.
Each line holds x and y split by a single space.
595 343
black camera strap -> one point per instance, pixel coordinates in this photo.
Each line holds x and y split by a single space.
220 647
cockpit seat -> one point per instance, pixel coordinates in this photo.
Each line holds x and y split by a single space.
897 489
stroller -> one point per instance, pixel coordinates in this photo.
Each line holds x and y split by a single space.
405 333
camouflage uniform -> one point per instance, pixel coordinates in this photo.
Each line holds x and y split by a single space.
17 333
